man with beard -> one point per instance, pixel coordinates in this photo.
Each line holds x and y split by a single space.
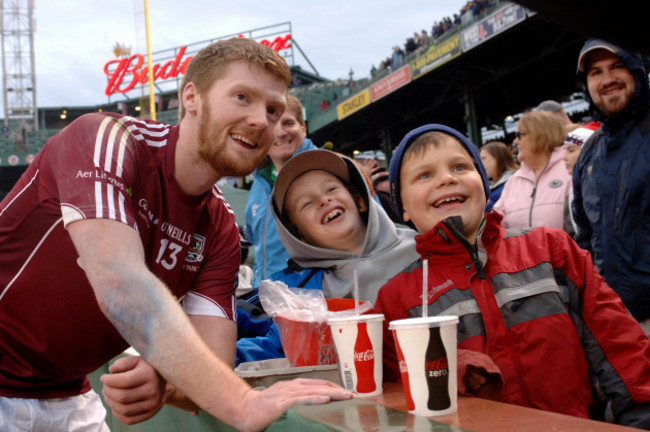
116 219
612 199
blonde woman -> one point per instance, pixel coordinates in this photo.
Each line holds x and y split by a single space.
535 194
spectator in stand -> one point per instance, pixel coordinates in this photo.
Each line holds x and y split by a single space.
417 39
351 83
437 30
535 195
611 195
500 166
379 178
410 46
424 38
291 138
557 110
572 148
477 7
384 65
296 82
397 59
448 24
114 222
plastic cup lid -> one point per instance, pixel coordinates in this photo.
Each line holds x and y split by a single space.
353 319
420 322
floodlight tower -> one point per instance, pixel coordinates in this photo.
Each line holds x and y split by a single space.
18 73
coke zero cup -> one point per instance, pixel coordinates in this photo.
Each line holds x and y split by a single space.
426 351
359 347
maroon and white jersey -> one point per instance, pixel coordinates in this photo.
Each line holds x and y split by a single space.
102 166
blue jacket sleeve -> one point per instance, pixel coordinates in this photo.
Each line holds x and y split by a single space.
264 347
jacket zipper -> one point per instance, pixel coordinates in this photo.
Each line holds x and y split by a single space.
534 194
532 204
471 249
619 198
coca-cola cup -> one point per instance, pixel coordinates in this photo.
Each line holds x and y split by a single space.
359 347
426 351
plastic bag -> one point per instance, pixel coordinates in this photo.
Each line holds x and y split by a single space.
301 317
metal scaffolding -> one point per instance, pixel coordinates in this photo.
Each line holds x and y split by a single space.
18 67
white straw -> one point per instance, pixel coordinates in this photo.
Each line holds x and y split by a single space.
425 291
356 291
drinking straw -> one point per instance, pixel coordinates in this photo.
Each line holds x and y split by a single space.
425 291
356 291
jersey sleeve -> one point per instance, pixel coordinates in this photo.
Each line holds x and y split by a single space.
93 163
213 290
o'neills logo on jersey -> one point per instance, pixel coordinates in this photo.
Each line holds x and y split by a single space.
364 355
175 233
403 368
195 250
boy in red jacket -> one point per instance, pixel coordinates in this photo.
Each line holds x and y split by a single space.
530 300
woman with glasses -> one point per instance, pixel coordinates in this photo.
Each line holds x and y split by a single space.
535 194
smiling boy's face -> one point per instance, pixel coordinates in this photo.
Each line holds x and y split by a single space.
439 182
324 212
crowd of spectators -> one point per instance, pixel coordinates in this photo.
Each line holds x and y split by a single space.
418 41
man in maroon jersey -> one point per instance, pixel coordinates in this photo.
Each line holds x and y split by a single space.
115 220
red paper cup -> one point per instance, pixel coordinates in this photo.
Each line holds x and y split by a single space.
309 343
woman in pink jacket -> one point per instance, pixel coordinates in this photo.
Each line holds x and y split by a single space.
535 194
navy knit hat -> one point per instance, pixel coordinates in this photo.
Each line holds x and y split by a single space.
398 156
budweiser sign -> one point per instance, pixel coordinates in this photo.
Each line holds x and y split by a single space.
127 72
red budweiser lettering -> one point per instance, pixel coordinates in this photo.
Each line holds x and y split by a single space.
278 44
125 73
133 71
364 355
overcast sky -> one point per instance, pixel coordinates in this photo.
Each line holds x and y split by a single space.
75 38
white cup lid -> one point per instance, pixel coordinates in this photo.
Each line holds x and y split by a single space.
434 321
352 319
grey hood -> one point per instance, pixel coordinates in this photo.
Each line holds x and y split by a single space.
387 250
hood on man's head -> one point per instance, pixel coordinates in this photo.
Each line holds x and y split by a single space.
301 163
398 157
635 62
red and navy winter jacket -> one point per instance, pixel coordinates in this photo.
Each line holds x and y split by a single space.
532 301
